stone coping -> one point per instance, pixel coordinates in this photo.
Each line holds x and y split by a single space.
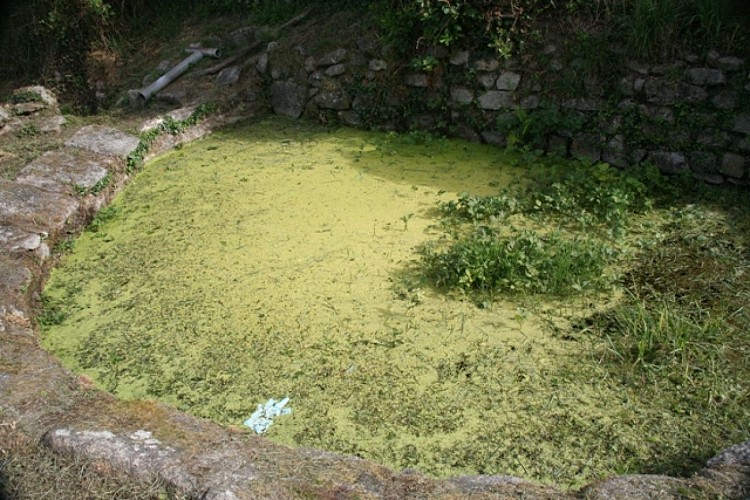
52 199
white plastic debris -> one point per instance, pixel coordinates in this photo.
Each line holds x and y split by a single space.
263 417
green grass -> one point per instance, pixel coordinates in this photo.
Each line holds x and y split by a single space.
681 336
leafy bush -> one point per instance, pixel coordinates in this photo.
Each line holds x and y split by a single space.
483 208
478 24
525 262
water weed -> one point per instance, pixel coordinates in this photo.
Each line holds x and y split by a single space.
213 294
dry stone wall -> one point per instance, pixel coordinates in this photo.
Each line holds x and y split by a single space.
691 115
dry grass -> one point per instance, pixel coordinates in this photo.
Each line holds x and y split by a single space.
29 470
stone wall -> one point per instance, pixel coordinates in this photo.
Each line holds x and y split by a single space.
689 115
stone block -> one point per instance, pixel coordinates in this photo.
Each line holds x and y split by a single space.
228 76
730 63
626 86
52 124
638 67
529 102
713 138
583 104
65 171
508 80
5 115
34 209
741 124
638 85
669 162
666 93
495 138
637 156
727 99
332 99
43 94
586 147
738 454
461 95
262 64
487 80
715 179
487 64
732 165
334 57
589 104
460 58
667 68
14 277
164 66
367 44
242 37
350 117
377 65
335 70
288 98
424 122
496 99
310 64
18 241
614 152
465 132
661 114
706 76
104 141
416 80
703 162
692 93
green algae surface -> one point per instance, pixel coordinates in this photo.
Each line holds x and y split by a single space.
273 260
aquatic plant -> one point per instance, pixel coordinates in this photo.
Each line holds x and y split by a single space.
524 262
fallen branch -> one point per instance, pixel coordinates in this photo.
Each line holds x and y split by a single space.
218 67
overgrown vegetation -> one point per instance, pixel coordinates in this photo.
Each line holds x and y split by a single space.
75 43
679 338
573 196
648 28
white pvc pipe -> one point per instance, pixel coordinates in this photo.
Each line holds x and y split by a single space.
195 56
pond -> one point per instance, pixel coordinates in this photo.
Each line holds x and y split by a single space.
278 259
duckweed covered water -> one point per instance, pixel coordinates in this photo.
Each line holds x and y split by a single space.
273 260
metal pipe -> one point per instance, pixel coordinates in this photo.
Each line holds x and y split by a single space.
195 56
